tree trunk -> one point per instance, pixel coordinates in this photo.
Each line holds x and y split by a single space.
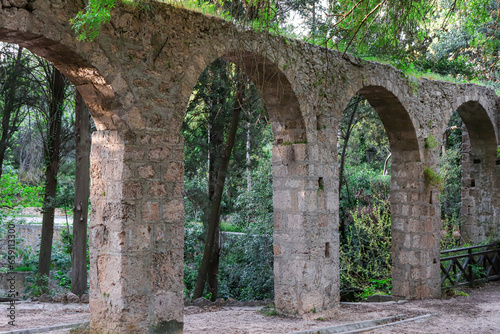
343 154
214 218
7 127
248 157
82 193
213 267
52 148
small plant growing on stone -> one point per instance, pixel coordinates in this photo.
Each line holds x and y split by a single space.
83 329
430 142
432 178
269 311
453 292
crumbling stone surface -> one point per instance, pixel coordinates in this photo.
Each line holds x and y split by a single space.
136 79
44 298
84 298
59 298
72 298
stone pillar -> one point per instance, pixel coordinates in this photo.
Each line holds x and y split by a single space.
478 219
136 233
415 233
495 226
305 240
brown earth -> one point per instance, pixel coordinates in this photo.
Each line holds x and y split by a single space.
478 313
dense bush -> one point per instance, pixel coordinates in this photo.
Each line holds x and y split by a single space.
246 260
246 269
365 253
14 193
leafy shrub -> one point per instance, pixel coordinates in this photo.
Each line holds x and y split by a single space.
446 66
193 251
63 278
37 285
254 207
14 193
365 255
245 264
380 286
61 252
246 267
432 178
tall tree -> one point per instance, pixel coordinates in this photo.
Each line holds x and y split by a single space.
221 92
15 95
57 85
82 193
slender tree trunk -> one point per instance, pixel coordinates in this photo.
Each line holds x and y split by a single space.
213 267
3 149
386 163
8 109
214 218
52 167
249 160
82 193
343 154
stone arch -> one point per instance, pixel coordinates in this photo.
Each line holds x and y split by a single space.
277 92
479 154
415 243
108 150
97 93
397 122
295 193
480 128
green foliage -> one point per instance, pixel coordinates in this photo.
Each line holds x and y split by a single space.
362 184
29 259
228 227
193 251
81 329
14 193
365 254
477 271
450 174
61 252
269 311
246 264
253 208
88 24
430 142
246 268
432 179
381 286
37 285
452 292
64 281
205 7
23 255
458 68
450 225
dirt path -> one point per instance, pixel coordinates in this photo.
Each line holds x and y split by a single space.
478 314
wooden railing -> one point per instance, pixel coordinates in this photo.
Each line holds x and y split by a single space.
472 265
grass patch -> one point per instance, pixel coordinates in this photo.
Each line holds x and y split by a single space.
269 311
24 268
228 227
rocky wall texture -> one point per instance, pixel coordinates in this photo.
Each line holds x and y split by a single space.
136 78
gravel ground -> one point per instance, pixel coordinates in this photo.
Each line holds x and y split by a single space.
479 313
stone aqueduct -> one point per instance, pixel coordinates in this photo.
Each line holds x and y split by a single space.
137 78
